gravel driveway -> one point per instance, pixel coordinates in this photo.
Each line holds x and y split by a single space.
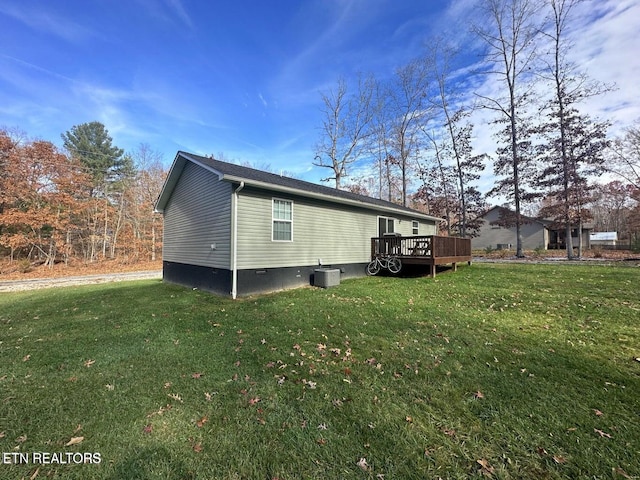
32 284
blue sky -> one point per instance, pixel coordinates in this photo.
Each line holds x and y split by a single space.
243 78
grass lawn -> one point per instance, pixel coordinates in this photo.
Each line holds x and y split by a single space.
501 371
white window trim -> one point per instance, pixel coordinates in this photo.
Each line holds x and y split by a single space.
415 227
273 219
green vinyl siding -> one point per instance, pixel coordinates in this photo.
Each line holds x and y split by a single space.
321 231
198 217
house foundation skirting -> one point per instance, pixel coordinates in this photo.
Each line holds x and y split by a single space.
250 281
215 280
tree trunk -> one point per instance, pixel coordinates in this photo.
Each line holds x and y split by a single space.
105 231
153 241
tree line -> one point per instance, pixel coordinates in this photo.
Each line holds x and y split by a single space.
409 138
90 202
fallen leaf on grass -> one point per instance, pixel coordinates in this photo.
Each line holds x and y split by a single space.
362 463
26 358
197 447
408 419
200 423
160 411
559 459
310 384
321 441
74 441
597 412
253 401
478 394
35 474
485 469
197 375
21 439
601 433
147 428
175 396
621 472
88 363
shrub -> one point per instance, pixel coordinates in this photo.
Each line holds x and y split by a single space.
24 266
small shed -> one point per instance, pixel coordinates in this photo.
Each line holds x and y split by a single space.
604 238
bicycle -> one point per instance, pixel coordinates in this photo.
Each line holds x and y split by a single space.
391 263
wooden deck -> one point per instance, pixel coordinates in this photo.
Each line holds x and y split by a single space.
429 250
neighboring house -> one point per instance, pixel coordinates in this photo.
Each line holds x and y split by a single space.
604 238
235 230
536 233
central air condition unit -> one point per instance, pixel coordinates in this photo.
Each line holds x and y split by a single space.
326 277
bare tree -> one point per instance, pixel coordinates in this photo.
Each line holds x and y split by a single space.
565 128
148 225
346 125
409 109
438 188
457 132
624 155
509 31
380 145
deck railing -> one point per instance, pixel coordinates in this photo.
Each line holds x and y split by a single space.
431 246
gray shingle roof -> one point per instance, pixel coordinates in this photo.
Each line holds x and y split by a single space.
250 174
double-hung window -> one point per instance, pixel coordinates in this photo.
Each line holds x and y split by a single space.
282 229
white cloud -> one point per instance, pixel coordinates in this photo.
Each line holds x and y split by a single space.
180 11
41 20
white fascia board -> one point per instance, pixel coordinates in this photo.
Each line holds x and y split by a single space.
329 198
174 174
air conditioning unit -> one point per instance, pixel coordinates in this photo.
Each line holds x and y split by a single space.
326 277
